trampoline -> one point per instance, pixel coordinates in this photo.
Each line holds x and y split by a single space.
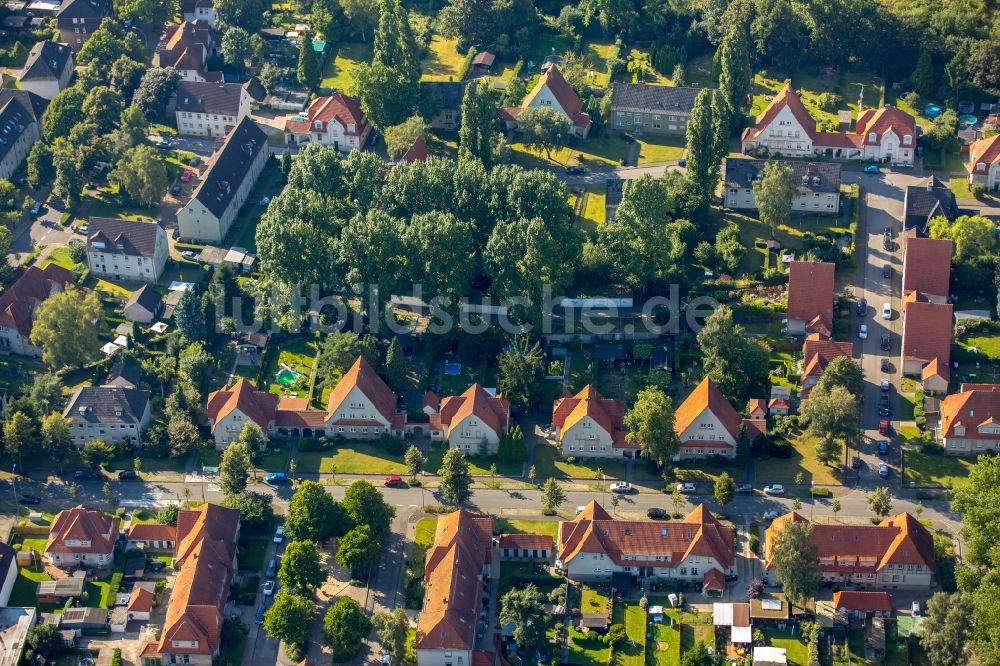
968 120
932 110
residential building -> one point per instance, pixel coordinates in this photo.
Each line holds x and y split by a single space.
20 127
970 420
15 623
926 349
457 564
82 537
447 96
8 573
785 128
111 413
472 422
336 121
152 537
76 20
552 92
200 10
47 70
706 423
594 546
229 410
927 267
644 108
482 62
757 408
521 547
922 203
140 601
210 109
124 374
898 553
19 302
417 152
816 185
861 605
126 250
810 297
592 426
984 163
226 185
362 406
205 559
143 305
818 352
187 47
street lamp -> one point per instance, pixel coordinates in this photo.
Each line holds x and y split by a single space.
17 505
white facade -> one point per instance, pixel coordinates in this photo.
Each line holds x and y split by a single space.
8 582
12 342
228 428
20 149
786 135
812 202
119 266
586 438
215 125
707 436
892 148
84 431
48 88
987 175
598 567
65 560
358 417
469 434
333 134
444 657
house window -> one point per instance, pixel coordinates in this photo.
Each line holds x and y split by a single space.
907 139
871 137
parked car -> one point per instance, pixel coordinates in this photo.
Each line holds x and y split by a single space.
887 271
276 478
83 474
871 168
856 462
883 448
863 331
259 618
686 487
886 311
187 175
915 609
887 244
194 161
883 427
269 586
27 498
36 210
656 513
883 406
885 385
621 487
162 143
771 515
862 307
885 365
575 170
884 343
392 481
175 190
272 569
83 228
386 659
279 534
128 475
189 254
744 489
774 489
883 470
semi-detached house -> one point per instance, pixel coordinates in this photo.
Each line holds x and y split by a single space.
927 315
810 297
126 250
970 420
707 423
336 121
552 92
82 537
816 186
592 426
471 422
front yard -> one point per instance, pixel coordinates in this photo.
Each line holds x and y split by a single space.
935 470
802 461
547 465
661 149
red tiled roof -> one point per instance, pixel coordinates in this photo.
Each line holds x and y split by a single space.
141 600
714 580
417 152
300 418
936 368
336 107
484 58
526 541
927 330
819 351
564 94
362 377
258 406
810 292
152 532
19 301
707 396
881 121
972 408
986 151
494 411
786 97
757 407
186 47
483 658
927 265
608 413
857 600
83 523
838 140
431 400
755 427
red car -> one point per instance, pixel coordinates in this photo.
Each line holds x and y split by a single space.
186 176
392 481
883 427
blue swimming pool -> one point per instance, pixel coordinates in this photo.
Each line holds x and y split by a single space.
452 368
932 110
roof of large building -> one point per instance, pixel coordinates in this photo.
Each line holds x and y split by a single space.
344 110
973 408
15 118
927 265
204 556
786 97
452 581
230 165
18 302
646 542
608 413
927 329
258 406
493 411
649 98
186 46
32 103
922 203
810 294
899 539
860 600
92 528
707 396
807 177
536 541
818 351
209 97
47 61
365 379
883 120
107 405
983 151
126 237
84 9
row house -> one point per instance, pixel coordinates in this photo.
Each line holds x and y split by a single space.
20 127
810 297
970 420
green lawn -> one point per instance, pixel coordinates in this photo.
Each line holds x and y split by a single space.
511 526
268 185
26 585
935 470
605 150
665 644
60 257
339 72
984 344
802 461
949 162
593 210
524 156
633 651
547 466
299 354
443 61
798 652
706 472
353 458
661 149
425 528
655 77
587 650
252 553
810 87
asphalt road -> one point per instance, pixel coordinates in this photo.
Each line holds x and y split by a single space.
600 176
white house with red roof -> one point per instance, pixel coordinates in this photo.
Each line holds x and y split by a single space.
785 128
470 421
984 162
82 537
592 426
335 120
594 546
187 47
970 420
19 302
898 553
818 352
707 423
552 92
810 297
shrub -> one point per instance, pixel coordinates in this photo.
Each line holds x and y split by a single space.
780 449
116 657
467 63
977 190
392 445
829 101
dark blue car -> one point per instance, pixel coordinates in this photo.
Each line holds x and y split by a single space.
260 614
883 448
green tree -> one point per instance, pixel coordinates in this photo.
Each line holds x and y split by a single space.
168 515
308 71
388 96
358 551
155 89
397 368
103 106
946 631
650 422
57 438
414 461
543 129
441 254
236 47
399 138
256 512
313 515
395 45
973 235
880 502
478 136
796 563
189 316
45 643
63 113
19 436
362 15
697 656
522 607
234 469
735 362
365 505
521 371
108 43
553 496
68 163
182 434
923 74
245 14
843 371
40 169
345 627
66 327
392 629
832 415
773 194
735 77
724 489
126 75
289 618
150 12
702 158
97 453
338 352
456 480
301 569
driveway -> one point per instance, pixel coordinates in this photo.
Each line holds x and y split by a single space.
42 230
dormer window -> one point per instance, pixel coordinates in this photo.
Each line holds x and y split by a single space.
351 128
959 430
907 139
871 137
981 166
318 124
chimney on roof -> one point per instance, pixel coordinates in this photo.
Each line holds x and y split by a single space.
930 184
